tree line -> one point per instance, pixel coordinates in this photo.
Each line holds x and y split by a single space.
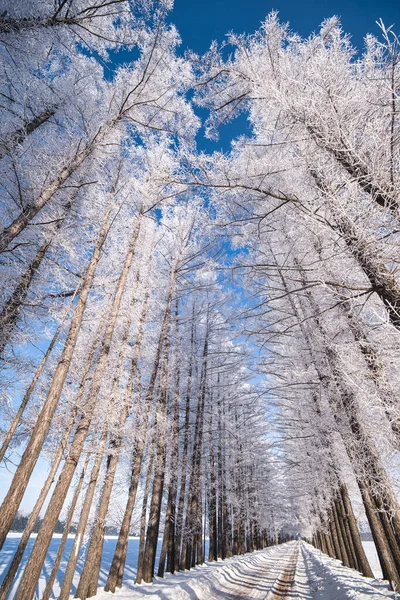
200 346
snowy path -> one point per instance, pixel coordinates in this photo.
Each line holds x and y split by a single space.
295 571
292 571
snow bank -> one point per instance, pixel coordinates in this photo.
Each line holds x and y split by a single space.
330 580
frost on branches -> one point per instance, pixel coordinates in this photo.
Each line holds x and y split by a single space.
197 346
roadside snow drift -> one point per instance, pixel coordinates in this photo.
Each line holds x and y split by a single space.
294 570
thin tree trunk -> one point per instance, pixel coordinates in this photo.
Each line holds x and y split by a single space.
35 562
153 524
183 461
347 402
347 538
6 584
90 573
355 533
168 545
18 136
139 572
385 555
341 540
212 512
29 458
192 513
334 536
12 570
31 387
60 551
118 563
83 519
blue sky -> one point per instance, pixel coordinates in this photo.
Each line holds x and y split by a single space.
198 28
217 17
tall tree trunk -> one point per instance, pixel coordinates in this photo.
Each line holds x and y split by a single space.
60 550
383 549
118 563
193 509
183 460
29 458
341 539
346 534
83 519
212 512
153 524
221 525
6 584
31 387
35 562
336 389
33 517
168 545
355 534
142 540
91 569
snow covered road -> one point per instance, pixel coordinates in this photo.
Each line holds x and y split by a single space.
292 571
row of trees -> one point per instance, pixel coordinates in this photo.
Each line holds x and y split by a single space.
140 394
216 338
316 192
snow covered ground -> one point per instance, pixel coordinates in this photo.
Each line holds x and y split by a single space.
373 559
330 580
254 576
317 577
12 541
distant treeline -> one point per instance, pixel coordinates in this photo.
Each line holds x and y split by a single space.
21 520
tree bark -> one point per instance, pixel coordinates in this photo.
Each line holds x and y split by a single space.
29 126
60 551
153 524
31 387
192 524
383 549
139 572
35 562
5 586
29 458
183 461
118 563
83 519
355 534
89 577
168 546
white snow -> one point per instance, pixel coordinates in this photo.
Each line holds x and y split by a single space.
373 559
11 544
330 580
318 577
